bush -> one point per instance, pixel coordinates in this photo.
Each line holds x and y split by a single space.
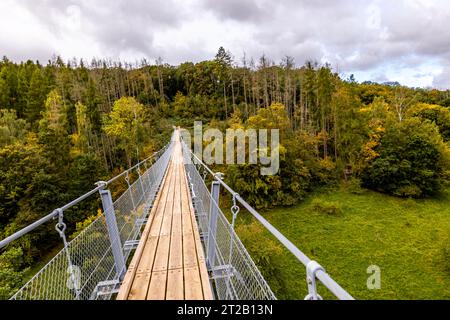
327 207
325 172
412 160
10 278
409 191
354 186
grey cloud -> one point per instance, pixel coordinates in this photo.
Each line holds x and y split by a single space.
115 25
20 53
380 78
239 10
357 36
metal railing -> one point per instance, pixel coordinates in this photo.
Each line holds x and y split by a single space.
228 248
92 265
235 276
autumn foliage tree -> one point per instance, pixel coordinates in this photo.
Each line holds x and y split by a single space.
125 123
286 186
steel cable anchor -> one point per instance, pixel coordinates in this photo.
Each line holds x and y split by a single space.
61 227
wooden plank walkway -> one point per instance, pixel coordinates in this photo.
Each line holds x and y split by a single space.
169 261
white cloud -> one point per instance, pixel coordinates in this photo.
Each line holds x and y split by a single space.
442 79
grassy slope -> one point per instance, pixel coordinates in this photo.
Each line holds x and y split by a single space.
405 238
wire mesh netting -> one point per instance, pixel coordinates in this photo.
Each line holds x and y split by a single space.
235 275
85 268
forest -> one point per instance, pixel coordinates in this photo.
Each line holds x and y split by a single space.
65 125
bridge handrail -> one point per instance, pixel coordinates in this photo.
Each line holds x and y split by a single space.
318 271
56 212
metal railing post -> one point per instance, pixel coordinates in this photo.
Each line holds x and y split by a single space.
212 228
113 232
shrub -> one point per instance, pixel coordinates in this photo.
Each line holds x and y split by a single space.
354 186
325 172
409 191
10 278
327 207
412 160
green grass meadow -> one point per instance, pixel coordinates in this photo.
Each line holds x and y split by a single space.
408 239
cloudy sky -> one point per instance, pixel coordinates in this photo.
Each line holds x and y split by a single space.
380 40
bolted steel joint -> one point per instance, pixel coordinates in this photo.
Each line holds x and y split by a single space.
311 270
102 184
219 175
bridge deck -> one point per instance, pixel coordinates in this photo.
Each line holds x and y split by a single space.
169 261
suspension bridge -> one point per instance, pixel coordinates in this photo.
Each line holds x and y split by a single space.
165 237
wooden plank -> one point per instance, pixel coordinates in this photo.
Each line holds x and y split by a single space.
162 254
189 252
168 208
129 276
150 242
169 262
160 265
176 222
139 287
175 284
155 228
146 260
166 225
206 286
148 256
176 243
193 286
176 252
157 288
125 287
186 214
207 292
160 199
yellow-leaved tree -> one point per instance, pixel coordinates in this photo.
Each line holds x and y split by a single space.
126 123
